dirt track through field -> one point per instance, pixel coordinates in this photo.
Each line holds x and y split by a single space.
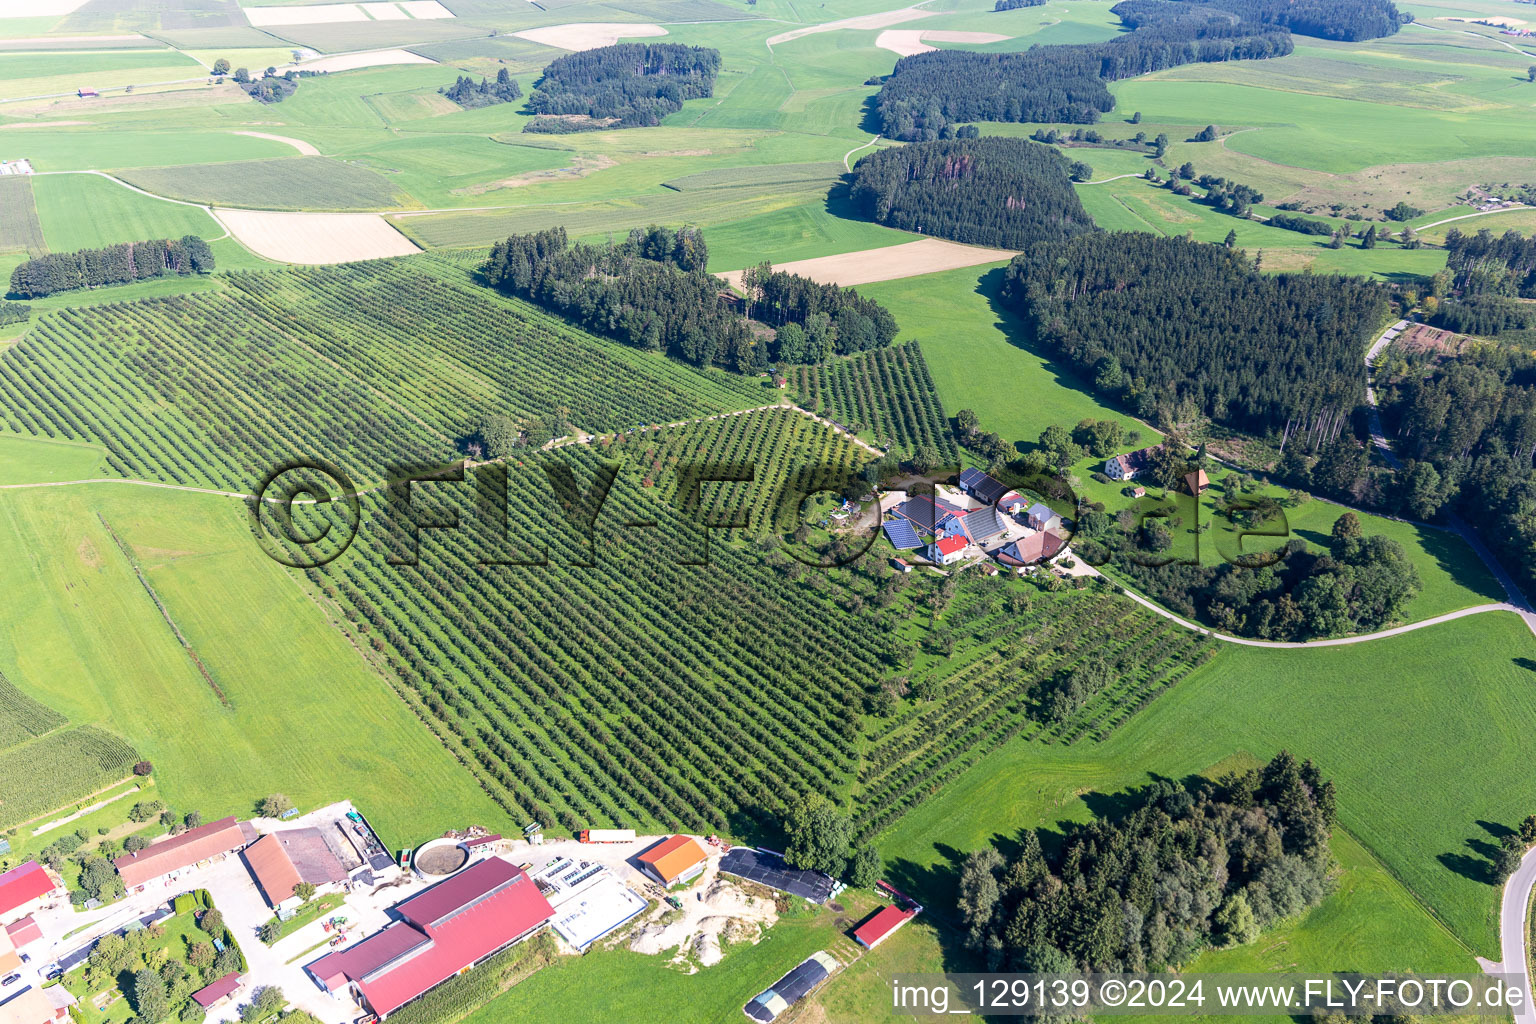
304 148
863 22
926 256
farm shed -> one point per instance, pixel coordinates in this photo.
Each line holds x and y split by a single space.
981 486
924 511
217 993
198 844
281 860
1035 548
882 925
674 859
443 931
24 932
983 524
793 987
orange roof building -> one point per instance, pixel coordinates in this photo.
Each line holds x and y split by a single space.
274 871
9 958
199 844
675 859
1197 481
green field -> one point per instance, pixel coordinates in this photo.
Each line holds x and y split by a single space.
303 713
1382 719
28 460
980 356
85 211
297 183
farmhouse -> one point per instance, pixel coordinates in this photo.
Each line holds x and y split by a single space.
279 861
218 993
21 888
882 925
675 859
1131 464
1197 481
947 550
1035 548
982 487
1039 516
205 842
950 526
443 931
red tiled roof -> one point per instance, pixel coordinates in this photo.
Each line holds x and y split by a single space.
274 872
949 545
206 997
21 885
23 932
181 851
470 844
887 920
447 928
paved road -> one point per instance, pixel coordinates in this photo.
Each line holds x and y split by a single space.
1513 929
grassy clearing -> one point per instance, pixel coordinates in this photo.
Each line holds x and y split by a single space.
296 183
980 357
306 715
84 211
1382 719
795 233
95 147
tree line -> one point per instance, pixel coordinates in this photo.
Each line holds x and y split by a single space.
993 191
1466 430
469 94
621 86
1482 264
652 292
1178 329
114 264
1186 866
929 93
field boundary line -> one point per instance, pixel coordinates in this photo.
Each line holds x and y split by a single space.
165 613
23 824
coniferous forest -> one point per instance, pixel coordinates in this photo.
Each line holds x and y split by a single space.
929 93
669 304
115 264
1185 866
1178 329
621 86
992 191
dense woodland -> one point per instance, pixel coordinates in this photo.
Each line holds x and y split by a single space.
1013 5
1184 867
1488 316
652 292
115 264
621 86
466 92
929 93
1466 428
992 191
1177 329
1485 264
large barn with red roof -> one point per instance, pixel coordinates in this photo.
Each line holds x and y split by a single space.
452 926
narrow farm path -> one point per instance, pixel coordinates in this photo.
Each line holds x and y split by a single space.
872 140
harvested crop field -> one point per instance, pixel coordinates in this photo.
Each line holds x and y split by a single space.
315 237
303 147
19 226
928 256
280 183
907 42
589 35
862 22
372 59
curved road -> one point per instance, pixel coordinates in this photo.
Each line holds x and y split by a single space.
1514 927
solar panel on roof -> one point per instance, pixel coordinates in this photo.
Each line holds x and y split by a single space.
901 535
767 868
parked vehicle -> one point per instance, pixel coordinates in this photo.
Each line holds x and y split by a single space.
10 979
